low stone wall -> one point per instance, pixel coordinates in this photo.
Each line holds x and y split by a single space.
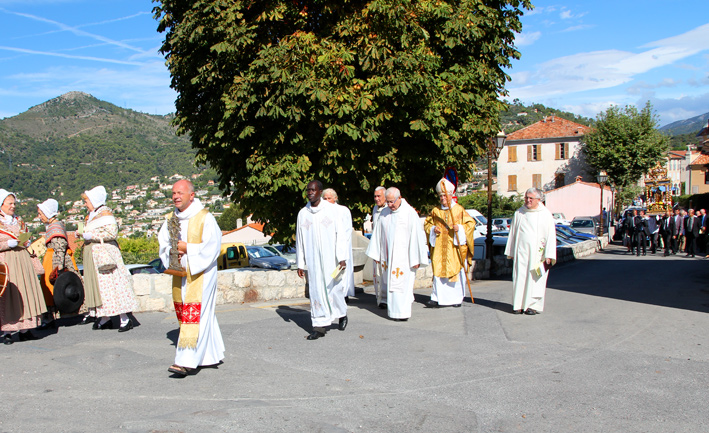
154 292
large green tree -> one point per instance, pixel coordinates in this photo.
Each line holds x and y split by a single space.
354 93
625 143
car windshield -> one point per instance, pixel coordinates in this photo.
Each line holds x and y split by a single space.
582 223
259 252
559 216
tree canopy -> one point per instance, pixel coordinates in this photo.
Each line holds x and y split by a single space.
625 143
275 93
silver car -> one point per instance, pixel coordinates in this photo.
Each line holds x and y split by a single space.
585 224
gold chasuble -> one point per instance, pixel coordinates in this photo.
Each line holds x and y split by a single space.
447 258
188 311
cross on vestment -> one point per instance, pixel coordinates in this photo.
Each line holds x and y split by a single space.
384 265
397 273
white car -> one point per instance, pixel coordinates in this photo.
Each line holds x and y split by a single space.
559 218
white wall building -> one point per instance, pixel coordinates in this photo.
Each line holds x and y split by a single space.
545 155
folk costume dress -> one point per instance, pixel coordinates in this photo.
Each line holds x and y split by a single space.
319 247
59 258
108 293
532 240
195 296
22 304
447 258
399 243
380 288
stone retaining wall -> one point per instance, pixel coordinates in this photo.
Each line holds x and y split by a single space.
154 292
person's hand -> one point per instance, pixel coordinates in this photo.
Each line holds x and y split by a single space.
12 243
87 236
436 230
416 267
182 247
343 265
301 273
455 227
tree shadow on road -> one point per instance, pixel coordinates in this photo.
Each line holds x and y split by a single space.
675 281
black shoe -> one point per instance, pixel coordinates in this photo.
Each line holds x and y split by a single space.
47 325
382 306
517 311
7 339
315 335
128 326
87 319
27 336
401 320
432 304
343 323
455 305
530 312
107 325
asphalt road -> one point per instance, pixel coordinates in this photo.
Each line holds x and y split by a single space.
621 347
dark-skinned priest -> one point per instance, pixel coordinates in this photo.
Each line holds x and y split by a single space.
321 251
449 229
195 234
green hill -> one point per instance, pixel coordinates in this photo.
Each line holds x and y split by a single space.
75 142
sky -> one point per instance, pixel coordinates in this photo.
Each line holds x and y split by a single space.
577 56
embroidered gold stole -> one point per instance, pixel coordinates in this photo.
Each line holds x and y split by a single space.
188 310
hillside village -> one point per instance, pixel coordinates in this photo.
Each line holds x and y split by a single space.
140 208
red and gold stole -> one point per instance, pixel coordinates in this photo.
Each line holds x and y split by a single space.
188 310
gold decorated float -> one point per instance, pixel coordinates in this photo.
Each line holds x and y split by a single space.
658 190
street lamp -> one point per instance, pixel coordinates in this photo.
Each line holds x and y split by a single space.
493 150
612 212
602 177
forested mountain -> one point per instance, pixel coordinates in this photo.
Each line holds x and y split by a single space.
519 115
687 126
75 142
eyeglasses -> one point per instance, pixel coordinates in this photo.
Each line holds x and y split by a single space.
526 197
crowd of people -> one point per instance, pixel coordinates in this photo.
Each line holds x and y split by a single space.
677 231
400 245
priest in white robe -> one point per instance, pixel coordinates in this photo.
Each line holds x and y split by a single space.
195 296
321 251
347 280
399 244
379 283
532 246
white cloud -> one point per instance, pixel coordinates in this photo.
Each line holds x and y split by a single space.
524 39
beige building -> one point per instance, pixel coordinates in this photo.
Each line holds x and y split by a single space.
545 155
699 166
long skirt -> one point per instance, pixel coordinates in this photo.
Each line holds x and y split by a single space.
22 304
115 287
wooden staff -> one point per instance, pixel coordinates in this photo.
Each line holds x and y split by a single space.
460 255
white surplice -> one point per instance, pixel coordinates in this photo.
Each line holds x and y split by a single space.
200 257
347 279
399 244
532 240
380 285
319 250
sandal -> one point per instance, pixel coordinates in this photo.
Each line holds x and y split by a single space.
179 370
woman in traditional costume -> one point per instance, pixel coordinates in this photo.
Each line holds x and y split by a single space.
22 304
107 283
59 257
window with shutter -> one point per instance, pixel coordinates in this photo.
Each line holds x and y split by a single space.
512 154
537 181
512 183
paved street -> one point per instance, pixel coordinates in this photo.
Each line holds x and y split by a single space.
621 347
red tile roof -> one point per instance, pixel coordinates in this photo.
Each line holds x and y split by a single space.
550 127
702 159
256 226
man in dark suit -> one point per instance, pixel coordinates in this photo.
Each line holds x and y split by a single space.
677 229
629 227
652 229
691 230
666 225
641 231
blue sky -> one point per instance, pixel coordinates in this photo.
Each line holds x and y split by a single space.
579 56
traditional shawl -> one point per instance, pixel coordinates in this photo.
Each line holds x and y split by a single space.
188 311
53 230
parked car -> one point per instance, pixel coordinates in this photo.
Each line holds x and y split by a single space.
141 269
585 224
559 218
260 257
480 222
502 222
286 253
574 233
157 265
232 255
